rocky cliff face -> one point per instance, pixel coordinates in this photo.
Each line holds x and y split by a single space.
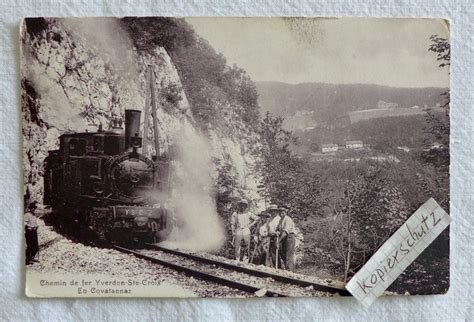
75 77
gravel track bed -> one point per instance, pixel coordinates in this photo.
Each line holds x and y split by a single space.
259 282
309 278
271 270
61 255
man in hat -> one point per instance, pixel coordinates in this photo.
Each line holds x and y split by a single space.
261 253
286 239
241 222
272 226
31 234
275 218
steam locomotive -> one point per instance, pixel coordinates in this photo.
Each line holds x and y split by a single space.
100 182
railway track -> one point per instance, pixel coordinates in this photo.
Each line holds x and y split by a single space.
249 280
256 272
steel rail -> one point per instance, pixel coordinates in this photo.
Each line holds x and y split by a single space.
200 275
255 272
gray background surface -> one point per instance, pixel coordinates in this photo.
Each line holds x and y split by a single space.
456 305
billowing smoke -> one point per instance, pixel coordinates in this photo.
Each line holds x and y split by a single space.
198 227
108 39
67 71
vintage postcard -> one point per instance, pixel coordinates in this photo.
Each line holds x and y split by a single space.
231 157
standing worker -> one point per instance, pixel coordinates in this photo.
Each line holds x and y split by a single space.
286 240
261 253
31 234
272 226
241 221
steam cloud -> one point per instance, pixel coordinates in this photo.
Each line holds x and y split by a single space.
198 226
108 38
63 103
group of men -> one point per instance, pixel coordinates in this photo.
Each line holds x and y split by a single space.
273 242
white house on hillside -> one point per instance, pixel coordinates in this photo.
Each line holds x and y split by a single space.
328 148
354 144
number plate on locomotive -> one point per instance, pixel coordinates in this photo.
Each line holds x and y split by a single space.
124 211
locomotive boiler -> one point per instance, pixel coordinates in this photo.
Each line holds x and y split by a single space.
99 181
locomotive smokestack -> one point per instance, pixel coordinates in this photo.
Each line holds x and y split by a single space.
132 126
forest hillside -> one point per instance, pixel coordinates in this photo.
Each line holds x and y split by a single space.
78 74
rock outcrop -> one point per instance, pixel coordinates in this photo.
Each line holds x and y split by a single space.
72 80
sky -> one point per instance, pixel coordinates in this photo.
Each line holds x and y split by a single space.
392 52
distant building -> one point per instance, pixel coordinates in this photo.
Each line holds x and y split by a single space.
383 104
328 148
404 148
389 158
354 144
377 158
352 160
302 113
393 158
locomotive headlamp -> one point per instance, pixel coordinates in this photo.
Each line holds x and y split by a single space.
136 141
98 187
141 221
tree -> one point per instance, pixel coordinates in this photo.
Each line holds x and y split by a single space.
442 48
364 206
278 168
344 195
209 83
227 189
438 125
242 90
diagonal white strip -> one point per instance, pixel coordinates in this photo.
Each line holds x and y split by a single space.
398 252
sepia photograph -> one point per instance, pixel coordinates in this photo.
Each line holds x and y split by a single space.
230 157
